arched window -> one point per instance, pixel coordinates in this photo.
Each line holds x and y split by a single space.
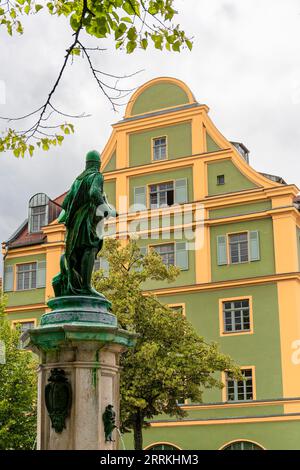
162 446
38 212
242 445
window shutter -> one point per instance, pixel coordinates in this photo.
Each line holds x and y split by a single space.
221 250
29 220
143 250
140 198
41 274
105 266
8 278
254 246
181 195
182 256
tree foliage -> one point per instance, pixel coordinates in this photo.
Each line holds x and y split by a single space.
131 24
17 391
170 361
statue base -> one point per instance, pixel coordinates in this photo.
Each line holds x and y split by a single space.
79 345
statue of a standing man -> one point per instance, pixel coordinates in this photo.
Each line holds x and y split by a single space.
84 207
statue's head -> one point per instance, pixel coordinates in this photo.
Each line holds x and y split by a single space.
93 160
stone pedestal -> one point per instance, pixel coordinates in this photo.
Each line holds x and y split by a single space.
81 337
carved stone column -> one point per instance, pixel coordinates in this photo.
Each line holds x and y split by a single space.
82 340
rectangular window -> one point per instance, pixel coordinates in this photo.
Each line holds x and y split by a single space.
240 390
167 252
38 218
220 180
236 316
160 149
177 308
23 326
239 248
26 276
161 195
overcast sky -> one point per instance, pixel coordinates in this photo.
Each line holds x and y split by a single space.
245 65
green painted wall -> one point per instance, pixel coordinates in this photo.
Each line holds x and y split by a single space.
265 266
33 296
161 177
111 165
24 259
185 277
26 297
159 96
261 349
179 141
25 315
110 190
240 209
211 145
234 179
271 436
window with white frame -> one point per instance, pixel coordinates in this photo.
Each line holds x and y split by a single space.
236 316
26 276
38 212
177 308
239 248
243 247
167 253
240 390
25 325
243 445
161 195
38 218
160 148
163 446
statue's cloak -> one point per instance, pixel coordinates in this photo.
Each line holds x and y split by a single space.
80 206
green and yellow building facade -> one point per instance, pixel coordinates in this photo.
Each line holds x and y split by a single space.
191 194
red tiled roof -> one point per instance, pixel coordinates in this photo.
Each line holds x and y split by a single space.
59 200
26 238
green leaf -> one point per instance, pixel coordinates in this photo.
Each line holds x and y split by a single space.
144 44
31 150
130 47
127 19
120 31
131 34
38 7
189 44
27 9
176 46
128 8
74 22
76 51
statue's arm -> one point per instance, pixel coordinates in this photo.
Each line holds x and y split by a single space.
96 190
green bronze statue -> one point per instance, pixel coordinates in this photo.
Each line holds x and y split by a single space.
84 209
109 421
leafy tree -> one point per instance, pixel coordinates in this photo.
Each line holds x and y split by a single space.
170 361
17 390
131 23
